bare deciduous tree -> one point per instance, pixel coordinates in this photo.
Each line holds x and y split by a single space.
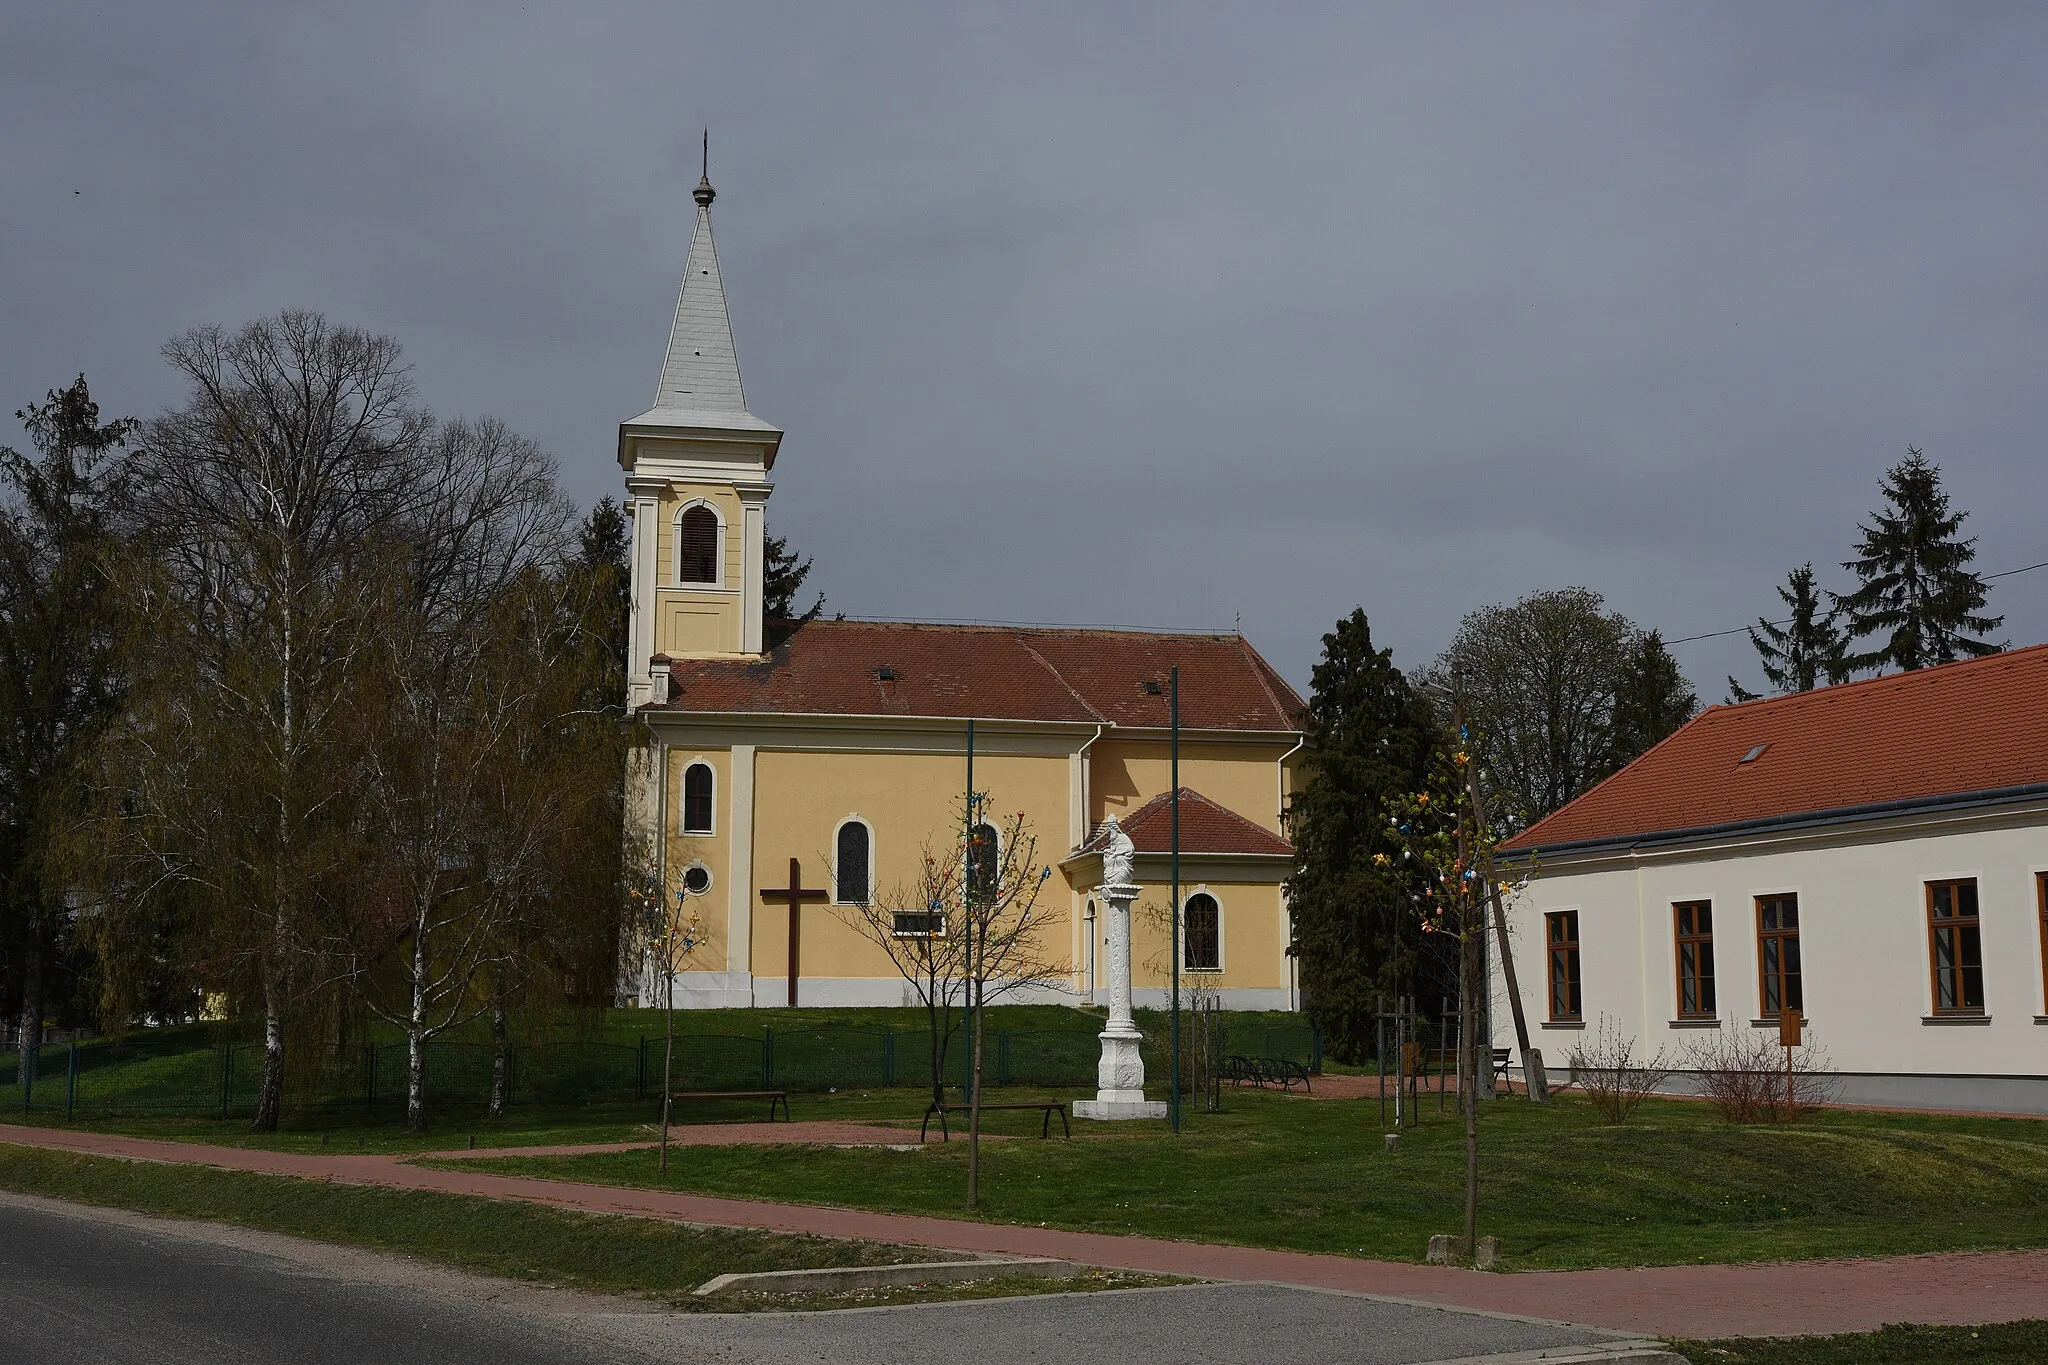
1614 1078
910 924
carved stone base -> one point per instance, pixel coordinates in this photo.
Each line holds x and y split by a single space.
1121 1069
1119 1109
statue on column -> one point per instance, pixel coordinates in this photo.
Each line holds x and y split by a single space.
1120 1073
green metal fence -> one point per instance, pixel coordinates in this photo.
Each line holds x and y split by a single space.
184 1076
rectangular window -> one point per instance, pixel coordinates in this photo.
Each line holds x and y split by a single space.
2041 888
1561 936
919 924
1777 953
1955 947
1693 922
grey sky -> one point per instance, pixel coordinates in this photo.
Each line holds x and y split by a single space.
1135 314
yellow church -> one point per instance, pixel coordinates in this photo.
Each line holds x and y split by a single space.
825 755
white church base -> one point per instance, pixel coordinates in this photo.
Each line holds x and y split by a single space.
1120 1109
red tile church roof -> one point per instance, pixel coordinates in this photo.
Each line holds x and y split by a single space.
1205 827
1955 730
992 673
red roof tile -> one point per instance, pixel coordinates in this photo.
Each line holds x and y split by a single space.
994 673
1967 727
1205 827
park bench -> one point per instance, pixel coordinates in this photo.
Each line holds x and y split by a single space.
1265 1071
1050 1107
774 1097
1440 1061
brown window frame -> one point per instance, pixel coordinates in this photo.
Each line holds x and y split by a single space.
2041 904
1793 977
1968 931
1701 941
1556 946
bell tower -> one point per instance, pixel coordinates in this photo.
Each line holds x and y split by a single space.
697 466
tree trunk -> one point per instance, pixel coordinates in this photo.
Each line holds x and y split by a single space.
416 1041
501 1054
270 1089
1468 1014
31 1019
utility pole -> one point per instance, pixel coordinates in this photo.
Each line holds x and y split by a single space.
1535 1080
1173 749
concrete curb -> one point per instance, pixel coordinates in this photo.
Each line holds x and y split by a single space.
1641 1352
835 1278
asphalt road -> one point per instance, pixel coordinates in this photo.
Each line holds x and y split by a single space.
106 1287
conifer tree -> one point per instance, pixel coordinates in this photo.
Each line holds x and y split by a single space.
1809 647
1371 737
782 578
59 680
1651 699
1919 599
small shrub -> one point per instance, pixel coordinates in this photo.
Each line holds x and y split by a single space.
1742 1073
1613 1077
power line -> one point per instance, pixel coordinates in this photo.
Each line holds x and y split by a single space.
1717 634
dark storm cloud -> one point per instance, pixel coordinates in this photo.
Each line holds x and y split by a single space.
1128 314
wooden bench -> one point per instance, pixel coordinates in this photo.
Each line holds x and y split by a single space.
1050 1107
774 1097
1265 1071
1441 1061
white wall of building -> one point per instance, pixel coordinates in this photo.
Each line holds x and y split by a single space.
1864 945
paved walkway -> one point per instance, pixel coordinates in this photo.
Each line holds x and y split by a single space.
1787 1298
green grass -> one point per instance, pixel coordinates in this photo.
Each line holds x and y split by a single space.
1559 1188
517 1241
596 1252
2011 1343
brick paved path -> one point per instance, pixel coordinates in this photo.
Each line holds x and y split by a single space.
1693 1301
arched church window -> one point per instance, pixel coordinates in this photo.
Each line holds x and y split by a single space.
850 876
1201 934
984 862
697 545
697 788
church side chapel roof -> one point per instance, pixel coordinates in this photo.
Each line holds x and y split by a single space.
869 668
1952 731
1205 827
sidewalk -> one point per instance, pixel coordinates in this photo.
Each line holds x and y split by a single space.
1786 1298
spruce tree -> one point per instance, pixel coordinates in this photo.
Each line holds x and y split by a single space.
1919 599
1370 740
782 578
1651 700
1809 647
59 676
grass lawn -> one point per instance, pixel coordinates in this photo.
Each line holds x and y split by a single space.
2011 1343
515 1241
1559 1188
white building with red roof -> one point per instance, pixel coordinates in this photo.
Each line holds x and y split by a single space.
836 751
1873 855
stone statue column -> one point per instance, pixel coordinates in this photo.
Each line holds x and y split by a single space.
1120 1075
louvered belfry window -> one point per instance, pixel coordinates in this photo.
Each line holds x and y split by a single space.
697 546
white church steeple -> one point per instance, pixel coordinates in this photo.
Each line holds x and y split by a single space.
697 466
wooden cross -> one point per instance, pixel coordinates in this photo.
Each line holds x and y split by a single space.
794 895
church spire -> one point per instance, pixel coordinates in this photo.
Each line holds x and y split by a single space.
702 370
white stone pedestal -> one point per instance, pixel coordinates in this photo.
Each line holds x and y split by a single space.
1120 1075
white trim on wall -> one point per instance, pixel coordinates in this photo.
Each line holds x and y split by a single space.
1222 957
683 803
675 558
866 824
